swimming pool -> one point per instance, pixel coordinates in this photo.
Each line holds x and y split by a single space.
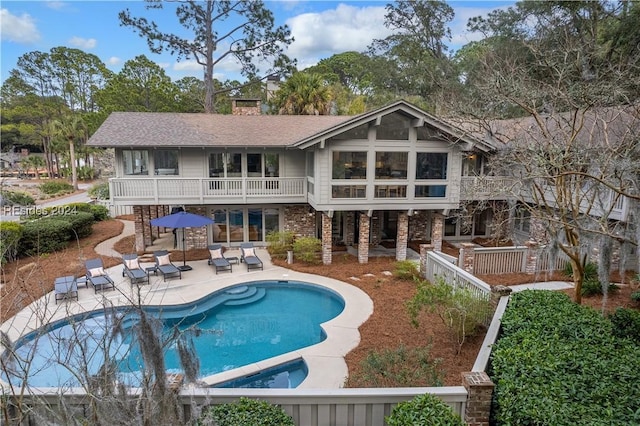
237 326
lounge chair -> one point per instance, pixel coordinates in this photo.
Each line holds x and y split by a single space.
164 265
132 269
248 256
66 288
96 275
217 259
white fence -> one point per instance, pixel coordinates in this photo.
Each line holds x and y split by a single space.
505 260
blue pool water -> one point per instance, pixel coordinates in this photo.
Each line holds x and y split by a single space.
230 328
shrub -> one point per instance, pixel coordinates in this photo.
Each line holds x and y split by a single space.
81 224
406 270
593 287
462 312
590 271
10 234
280 242
558 363
16 198
86 173
626 324
54 187
44 235
307 249
635 296
423 410
245 412
399 367
99 191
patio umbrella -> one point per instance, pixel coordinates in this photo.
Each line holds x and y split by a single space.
182 220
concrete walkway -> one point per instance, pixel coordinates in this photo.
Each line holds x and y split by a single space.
105 248
544 285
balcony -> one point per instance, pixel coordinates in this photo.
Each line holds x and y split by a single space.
487 187
179 190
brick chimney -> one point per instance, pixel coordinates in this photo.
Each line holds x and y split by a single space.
245 107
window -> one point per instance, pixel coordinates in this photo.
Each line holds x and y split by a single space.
348 191
391 165
431 191
391 191
272 165
234 164
394 126
450 226
219 226
135 162
254 165
255 224
360 132
165 161
271 220
349 165
216 164
431 165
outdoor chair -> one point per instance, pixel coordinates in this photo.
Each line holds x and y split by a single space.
97 276
65 288
132 269
217 259
248 256
164 265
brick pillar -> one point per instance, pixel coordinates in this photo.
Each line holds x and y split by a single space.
326 239
374 224
479 391
363 239
497 292
146 225
349 226
437 231
403 236
467 254
196 237
138 226
153 214
531 257
424 248
537 231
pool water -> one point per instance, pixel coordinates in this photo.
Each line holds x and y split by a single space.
230 328
284 376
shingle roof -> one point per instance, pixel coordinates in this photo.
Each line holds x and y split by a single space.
123 129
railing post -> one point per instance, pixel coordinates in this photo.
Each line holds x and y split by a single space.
437 228
424 248
467 255
479 392
531 257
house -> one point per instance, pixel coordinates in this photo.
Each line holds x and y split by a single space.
392 174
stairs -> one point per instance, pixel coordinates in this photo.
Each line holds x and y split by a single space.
243 295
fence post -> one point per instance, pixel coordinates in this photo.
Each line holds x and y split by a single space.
531 257
480 389
497 292
424 248
467 255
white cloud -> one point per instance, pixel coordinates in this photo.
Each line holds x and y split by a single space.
345 28
55 5
83 43
18 29
187 66
114 60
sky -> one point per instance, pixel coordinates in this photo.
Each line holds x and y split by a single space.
320 29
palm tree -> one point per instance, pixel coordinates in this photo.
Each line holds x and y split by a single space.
69 128
37 163
303 94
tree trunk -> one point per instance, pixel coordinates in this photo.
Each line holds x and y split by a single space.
72 160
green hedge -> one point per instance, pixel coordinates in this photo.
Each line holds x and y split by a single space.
16 198
423 410
44 235
10 234
54 187
246 412
81 224
626 324
559 363
99 212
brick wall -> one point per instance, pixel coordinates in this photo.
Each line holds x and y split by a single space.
437 231
301 219
419 226
363 239
480 389
375 223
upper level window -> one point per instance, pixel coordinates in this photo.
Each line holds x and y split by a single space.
216 164
272 165
254 165
431 165
234 164
360 132
391 165
165 161
394 126
349 165
135 162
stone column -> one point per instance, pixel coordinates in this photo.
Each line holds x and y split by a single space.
326 239
146 225
403 236
424 248
138 227
537 231
363 239
195 238
153 214
467 254
480 389
531 257
375 223
437 230
349 225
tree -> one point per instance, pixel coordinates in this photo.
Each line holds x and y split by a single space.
303 94
70 128
252 39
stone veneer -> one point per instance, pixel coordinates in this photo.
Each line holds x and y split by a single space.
402 236
363 239
419 226
196 238
375 225
300 219
437 231
326 239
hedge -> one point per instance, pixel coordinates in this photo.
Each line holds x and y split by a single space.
558 363
99 212
10 234
245 412
45 235
423 410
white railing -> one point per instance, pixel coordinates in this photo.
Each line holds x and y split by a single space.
438 266
499 260
329 407
167 189
482 187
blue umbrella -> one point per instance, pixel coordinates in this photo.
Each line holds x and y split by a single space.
182 220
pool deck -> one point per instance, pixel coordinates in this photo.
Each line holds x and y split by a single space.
325 360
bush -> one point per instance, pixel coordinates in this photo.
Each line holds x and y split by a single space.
590 271
635 296
99 212
86 173
559 363
99 191
280 242
593 287
400 367
45 235
16 198
626 324
54 187
423 410
307 249
10 234
81 224
406 270
245 412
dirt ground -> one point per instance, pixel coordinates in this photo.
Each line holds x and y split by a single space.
388 327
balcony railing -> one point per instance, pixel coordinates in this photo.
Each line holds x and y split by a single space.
181 190
486 187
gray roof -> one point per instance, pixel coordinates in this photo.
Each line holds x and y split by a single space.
131 129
